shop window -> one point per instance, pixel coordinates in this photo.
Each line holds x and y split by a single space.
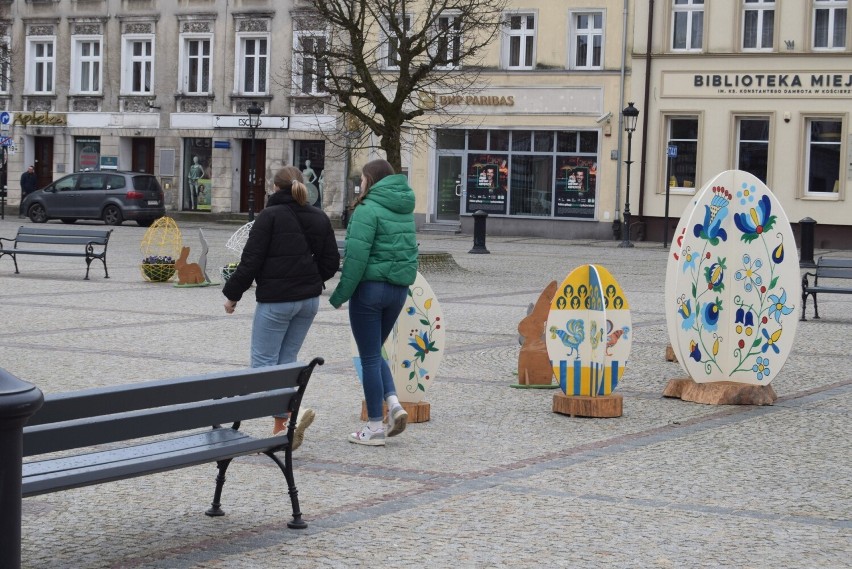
253 66
138 65
753 146
86 65
477 140
487 183
310 159
823 156
587 40
41 65
395 29
519 41
829 31
531 185
450 139
499 140
196 63
521 140
197 160
87 154
758 25
683 133
687 25
543 141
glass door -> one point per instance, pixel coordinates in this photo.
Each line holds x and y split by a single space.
449 190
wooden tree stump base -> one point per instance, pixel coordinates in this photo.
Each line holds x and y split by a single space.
670 354
605 406
417 412
720 392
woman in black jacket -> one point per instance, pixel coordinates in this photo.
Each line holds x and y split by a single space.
291 251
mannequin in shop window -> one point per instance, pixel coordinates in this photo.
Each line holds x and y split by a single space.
196 172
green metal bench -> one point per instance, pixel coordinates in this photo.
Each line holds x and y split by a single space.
827 268
89 243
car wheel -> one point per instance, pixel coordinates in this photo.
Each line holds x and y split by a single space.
112 215
37 214
69 219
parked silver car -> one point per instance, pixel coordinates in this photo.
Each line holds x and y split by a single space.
109 195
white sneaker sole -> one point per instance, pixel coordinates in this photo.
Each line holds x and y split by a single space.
305 418
396 422
353 438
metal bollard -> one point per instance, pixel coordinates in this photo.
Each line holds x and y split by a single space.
806 256
18 401
479 218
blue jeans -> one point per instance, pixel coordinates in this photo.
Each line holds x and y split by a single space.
373 310
278 331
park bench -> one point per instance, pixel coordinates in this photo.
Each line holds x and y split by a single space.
112 433
827 268
47 241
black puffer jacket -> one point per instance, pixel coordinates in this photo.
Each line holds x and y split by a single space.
289 260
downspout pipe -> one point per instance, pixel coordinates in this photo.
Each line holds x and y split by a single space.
646 101
616 220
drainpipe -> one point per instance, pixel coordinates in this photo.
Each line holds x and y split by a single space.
645 103
616 220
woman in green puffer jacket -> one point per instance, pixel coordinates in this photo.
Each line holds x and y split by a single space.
379 266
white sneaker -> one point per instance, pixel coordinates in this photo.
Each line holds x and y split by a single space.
368 436
397 420
304 419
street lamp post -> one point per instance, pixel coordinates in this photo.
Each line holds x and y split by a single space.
253 122
631 115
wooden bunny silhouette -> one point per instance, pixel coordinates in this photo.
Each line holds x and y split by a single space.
533 362
188 273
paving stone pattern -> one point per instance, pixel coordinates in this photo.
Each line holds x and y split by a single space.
495 479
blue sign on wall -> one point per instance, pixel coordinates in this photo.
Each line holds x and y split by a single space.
221 144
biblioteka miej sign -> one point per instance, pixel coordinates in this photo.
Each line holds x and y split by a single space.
758 84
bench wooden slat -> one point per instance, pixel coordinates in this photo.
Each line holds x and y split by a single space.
107 466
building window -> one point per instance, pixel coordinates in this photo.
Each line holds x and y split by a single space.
138 65
519 44
830 24
197 158
253 65
4 64
86 66
759 24
87 154
823 155
308 49
41 65
587 42
449 40
688 25
399 27
753 146
196 65
683 133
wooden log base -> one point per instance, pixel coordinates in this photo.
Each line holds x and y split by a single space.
417 412
720 392
605 406
670 354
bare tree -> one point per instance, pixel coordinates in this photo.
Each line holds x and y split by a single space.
384 64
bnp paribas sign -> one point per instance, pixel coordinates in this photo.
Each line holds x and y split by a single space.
759 84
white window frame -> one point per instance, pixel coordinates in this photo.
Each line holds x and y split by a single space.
389 49
453 62
590 33
95 64
5 64
41 67
760 8
299 61
522 37
841 174
186 64
128 59
689 8
242 64
832 7
667 122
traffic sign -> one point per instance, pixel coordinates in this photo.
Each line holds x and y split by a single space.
672 152
6 141
5 117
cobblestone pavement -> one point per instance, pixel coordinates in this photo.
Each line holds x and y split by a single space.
494 479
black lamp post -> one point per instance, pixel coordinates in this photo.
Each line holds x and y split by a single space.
631 116
253 122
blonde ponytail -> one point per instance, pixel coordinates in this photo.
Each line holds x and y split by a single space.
299 192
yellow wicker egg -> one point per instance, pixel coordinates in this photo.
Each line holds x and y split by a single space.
161 241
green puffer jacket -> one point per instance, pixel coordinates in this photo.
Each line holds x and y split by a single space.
381 244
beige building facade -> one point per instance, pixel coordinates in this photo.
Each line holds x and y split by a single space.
164 87
757 85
